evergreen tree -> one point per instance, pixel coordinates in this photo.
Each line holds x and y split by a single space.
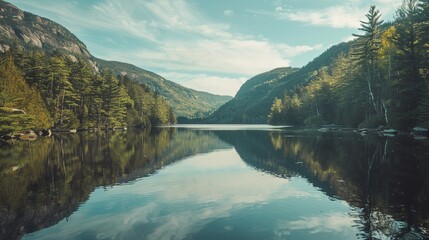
95 102
366 52
275 116
114 99
423 19
80 77
34 67
409 86
61 96
74 95
21 106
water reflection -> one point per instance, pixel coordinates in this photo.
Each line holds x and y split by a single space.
45 181
385 180
327 186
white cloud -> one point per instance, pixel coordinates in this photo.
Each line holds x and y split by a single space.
228 13
207 83
234 55
336 16
344 14
292 51
279 9
174 36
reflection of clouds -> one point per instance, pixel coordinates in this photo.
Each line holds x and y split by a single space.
183 198
217 184
143 214
222 177
334 222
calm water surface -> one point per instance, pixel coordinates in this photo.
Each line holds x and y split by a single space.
215 182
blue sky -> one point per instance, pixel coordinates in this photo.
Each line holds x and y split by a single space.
213 46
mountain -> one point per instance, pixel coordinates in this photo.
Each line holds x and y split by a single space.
186 102
26 31
253 101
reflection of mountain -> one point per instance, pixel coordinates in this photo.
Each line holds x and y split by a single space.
386 180
45 181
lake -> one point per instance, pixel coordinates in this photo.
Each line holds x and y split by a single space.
215 182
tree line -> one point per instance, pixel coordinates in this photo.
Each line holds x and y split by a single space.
40 91
383 80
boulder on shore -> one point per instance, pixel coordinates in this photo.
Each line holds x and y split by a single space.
26 136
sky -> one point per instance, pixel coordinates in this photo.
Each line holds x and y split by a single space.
212 46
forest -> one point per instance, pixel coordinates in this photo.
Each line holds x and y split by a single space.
383 80
40 90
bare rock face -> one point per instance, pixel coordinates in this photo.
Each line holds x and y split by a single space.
21 29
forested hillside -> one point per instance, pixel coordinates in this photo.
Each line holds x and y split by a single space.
186 102
27 32
383 80
40 91
254 99
379 79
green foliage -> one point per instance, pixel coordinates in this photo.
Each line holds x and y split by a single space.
52 58
185 102
75 96
382 80
145 107
366 51
21 105
408 82
253 101
13 120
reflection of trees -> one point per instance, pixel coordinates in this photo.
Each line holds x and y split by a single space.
44 181
385 180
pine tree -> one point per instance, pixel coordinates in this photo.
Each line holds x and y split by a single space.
95 102
408 86
350 90
80 78
387 54
64 96
366 52
34 66
114 100
21 106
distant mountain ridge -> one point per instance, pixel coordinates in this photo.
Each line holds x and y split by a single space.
181 98
253 101
26 31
